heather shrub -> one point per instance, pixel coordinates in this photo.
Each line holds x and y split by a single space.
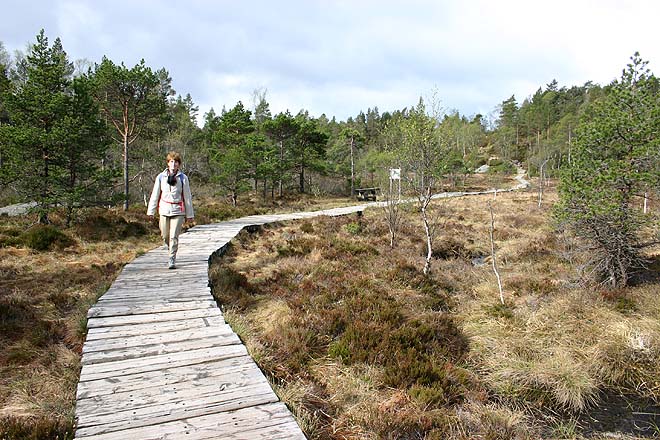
231 288
46 237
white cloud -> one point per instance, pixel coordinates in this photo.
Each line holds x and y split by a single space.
340 57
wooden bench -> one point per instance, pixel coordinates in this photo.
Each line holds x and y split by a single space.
366 193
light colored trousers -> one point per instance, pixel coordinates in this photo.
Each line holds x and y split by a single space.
170 228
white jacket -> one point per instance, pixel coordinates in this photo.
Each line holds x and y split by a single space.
171 200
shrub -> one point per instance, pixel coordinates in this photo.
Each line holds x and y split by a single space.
10 237
106 226
449 248
307 228
498 166
46 237
295 345
340 247
531 285
354 228
132 229
428 396
296 247
499 310
231 288
621 301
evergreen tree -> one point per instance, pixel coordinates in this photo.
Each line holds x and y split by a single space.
508 128
4 89
85 183
281 130
183 134
616 156
129 99
231 150
262 152
308 148
55 138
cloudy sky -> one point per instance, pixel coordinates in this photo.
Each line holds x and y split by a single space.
341 57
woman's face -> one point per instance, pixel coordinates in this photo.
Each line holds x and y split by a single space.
173 166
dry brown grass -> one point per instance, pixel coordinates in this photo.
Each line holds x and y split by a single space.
44 298
532 369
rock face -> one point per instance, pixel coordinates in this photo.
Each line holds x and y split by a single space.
18 209
482 169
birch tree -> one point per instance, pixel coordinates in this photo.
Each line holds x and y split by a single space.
419 148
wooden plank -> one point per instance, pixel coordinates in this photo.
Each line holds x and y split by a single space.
159 362
267 422
246 382
156 338
216 401
153 296
150 318
187 296
159 378
134 352
153 328
140 308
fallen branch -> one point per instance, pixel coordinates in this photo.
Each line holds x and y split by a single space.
492 252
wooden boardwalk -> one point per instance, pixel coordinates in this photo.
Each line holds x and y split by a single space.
159 361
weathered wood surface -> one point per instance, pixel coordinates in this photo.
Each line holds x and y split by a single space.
159 361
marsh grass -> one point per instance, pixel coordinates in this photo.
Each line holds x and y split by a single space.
362 345
50 278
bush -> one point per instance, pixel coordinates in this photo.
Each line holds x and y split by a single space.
307 228
354 228
296 247
10 237
501 167
105 226
448 248
46 237
231 288
339 248
499 310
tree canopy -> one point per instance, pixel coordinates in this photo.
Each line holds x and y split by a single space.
53 139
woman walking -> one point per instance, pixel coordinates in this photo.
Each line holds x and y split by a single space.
172 196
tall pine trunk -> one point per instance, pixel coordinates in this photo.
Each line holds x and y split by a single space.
125 171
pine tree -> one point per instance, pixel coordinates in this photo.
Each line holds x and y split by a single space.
231 150
54 137
129 100
615 157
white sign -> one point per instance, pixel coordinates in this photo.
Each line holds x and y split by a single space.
395 173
